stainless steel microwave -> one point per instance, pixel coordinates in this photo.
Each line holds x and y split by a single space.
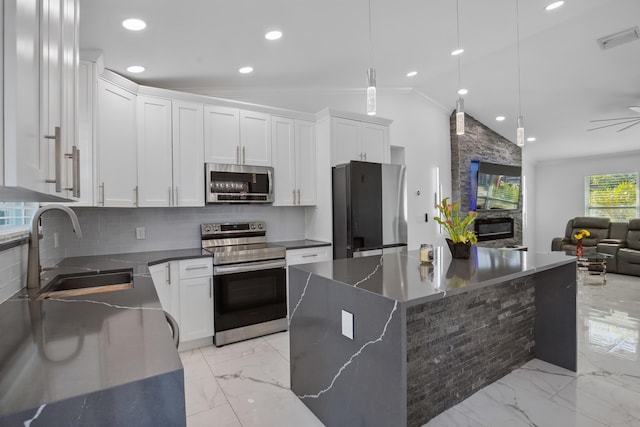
238 183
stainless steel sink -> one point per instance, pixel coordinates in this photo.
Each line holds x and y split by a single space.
68 285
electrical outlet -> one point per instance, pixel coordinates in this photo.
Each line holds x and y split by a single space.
140 233
56 240
347 324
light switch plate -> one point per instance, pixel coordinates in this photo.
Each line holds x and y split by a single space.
140 233
347 324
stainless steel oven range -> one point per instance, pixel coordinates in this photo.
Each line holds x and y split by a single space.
249 281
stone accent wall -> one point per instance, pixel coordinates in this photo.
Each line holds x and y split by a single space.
481 143
447 362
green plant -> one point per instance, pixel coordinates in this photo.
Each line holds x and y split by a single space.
456 226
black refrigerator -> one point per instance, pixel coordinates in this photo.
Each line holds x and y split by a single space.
369 209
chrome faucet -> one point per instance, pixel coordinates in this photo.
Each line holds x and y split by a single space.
33 262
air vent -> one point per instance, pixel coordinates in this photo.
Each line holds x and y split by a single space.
617 39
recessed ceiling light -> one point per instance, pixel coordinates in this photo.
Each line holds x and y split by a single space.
135 68
554 5
531 139
134 24
412 73
462 91
245 70
500 118
457 52
273 35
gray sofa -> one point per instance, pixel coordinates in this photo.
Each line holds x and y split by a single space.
620 239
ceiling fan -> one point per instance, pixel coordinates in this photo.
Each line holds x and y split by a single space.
620 120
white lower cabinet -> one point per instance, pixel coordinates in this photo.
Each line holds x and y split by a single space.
185 290
165 280
196 298
306 256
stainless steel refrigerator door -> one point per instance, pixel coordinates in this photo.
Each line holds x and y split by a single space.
394 204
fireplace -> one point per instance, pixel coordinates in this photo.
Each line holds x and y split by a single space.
494 228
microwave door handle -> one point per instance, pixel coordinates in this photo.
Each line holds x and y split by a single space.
270 182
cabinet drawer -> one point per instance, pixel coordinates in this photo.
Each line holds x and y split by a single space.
197 267
308 255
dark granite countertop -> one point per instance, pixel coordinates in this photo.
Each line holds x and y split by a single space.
301 244
59 348
401 277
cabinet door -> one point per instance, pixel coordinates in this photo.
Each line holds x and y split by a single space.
306 162
23 143
87 84
188 154
116 146
284 161
155 183
255 138
196 308
166 283
345 141
51 91
221 134
375 143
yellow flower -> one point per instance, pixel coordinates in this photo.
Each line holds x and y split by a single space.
582 234
456 226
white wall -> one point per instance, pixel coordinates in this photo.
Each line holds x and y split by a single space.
559 193
419 125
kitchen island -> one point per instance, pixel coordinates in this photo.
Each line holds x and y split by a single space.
424 337
100 359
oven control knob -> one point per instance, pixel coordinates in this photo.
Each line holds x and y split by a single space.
216 228
253 226
206 229
259 226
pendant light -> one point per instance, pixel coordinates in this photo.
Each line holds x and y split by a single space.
460 100
520 124
371 75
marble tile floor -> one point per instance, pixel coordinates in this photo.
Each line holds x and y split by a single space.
247 384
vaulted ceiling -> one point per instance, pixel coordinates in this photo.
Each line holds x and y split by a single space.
566 78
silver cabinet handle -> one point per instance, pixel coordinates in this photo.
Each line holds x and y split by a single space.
58 159
135 200
75 174
197 267
365 157
294 195
238 161
244 156
168 273
177 199
298 196
309 255
170 197
101 195
210 287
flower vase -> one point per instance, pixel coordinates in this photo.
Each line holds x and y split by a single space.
459 250
579 249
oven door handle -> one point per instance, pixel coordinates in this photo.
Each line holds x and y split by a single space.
243 268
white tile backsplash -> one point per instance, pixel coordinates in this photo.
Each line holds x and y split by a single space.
113 230
13 271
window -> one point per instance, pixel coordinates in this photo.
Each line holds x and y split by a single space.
613 196
16 214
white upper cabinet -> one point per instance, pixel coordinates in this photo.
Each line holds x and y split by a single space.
294 162
155 162
234 136
188 154
87 87
221 134
40 61
357 140
255 138
115 146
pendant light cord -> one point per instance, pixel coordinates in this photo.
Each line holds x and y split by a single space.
458 40
518 54
370 38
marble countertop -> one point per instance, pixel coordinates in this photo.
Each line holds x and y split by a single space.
59 348
301 244
401 277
